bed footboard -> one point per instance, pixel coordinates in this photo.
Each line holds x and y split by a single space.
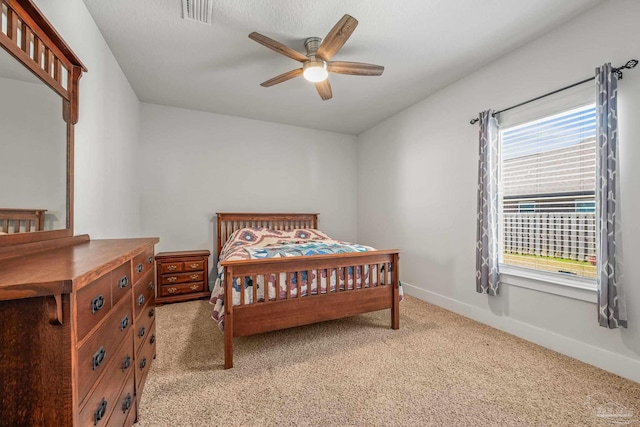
359 293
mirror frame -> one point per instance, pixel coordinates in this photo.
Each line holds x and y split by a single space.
50 55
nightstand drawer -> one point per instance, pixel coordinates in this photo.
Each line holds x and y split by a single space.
194 266
182 278
174 267
185 288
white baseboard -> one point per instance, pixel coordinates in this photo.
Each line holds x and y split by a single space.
603 359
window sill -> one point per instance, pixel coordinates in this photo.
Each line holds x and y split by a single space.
576 288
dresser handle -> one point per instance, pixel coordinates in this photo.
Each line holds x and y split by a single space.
126 362
172 268
172 290
124 323
195 276
98 357
152 312
194 266
139 268
97 303
150 286
124 282
141 300
143 363
126 404
172 279
141 332
152 339
100 412
150 259
194 287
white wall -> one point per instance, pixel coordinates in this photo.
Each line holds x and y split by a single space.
107 134
429 157
33 150
193 164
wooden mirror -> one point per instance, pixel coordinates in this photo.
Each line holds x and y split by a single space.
39 75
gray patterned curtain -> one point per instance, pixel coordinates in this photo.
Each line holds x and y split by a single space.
487 232
611 307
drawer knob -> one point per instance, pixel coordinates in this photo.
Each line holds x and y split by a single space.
195 276
97 303
100 412
139 268
98 357
172 279
124 282
126 404
126 362
143 363
194 287
150 260
172 290
152 339
172 268
141 332
124 323
152 312
141 300
150 286
194 266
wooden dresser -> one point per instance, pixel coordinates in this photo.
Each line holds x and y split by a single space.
78 333
182 276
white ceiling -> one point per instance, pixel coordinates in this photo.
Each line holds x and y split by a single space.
423 44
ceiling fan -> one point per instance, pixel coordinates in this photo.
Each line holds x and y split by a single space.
316 64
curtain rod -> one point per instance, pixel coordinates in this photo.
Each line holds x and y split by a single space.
629 65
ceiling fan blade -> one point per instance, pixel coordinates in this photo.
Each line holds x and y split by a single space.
355 68
278 47
282 77
324 89
337 37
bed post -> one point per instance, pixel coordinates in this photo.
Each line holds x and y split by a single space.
228 318
395 305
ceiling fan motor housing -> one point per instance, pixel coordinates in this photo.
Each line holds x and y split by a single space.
311 45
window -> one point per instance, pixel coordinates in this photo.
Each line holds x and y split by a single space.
547 193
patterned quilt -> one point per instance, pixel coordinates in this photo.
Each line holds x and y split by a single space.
258 243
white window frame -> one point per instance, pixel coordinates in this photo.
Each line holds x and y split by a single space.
579 288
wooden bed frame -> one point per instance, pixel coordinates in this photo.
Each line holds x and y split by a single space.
12 219
263 316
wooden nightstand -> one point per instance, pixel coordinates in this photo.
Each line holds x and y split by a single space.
182 276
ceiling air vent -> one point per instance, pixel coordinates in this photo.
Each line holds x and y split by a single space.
197 10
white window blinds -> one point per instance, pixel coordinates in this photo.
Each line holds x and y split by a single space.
547 190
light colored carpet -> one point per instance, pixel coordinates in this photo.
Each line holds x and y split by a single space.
439 369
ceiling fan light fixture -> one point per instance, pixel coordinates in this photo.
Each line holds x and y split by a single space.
315 71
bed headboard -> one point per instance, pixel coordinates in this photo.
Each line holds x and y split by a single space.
21 220
230 222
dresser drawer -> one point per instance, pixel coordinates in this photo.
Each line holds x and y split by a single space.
186 288
124 404
144 292
145 357
100 349
121 282
103 400
143 325
194 266
142 264
182 278
93 303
